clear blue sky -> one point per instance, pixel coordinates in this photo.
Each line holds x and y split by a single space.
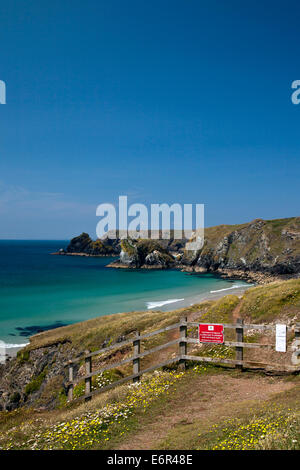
165 101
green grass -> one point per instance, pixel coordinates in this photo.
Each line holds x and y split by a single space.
260 304
91 334
221 310
121 414
91 429
98 381
261 432
23 356
268 302
273 425
36 382
249 245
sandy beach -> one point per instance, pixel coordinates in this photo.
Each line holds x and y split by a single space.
12 352
173 304
196 299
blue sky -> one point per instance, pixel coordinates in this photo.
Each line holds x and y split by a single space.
163 101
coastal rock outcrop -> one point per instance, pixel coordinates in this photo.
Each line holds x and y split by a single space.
83 244
156 258
33 376
269 247
144 253
129 254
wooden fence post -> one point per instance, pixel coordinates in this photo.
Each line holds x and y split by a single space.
297 345
239 339
182 344
136 360
88 380
71 378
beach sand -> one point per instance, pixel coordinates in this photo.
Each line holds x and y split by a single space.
12 352
172 305
196 299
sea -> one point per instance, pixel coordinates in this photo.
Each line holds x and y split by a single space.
40 291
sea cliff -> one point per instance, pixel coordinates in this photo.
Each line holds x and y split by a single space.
261 250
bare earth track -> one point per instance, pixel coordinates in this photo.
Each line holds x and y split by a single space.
209 399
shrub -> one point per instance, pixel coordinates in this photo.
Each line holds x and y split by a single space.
36 382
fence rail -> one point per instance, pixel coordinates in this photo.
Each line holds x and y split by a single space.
183 340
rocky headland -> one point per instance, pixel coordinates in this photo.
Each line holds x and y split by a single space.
83 245
259 251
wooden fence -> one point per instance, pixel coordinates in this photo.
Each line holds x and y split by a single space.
183 340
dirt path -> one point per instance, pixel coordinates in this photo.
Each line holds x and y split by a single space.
208 399
236 311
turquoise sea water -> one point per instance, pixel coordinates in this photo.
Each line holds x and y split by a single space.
39 291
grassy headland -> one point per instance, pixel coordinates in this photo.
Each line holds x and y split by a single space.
204 407
260 250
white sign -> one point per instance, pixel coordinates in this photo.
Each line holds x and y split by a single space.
280 338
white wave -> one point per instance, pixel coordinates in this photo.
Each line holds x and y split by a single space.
9 345
239 286
161 303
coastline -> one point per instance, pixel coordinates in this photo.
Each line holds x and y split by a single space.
256 277
196 299
12 352
87 255
169 305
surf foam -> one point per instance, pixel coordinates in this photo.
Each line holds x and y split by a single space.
9 345
239 286
160 303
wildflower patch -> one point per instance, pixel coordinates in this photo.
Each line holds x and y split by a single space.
94 429
257 433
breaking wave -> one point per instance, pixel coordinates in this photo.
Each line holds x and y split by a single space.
9 345
239 286
161 303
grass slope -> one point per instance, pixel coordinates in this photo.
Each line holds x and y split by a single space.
205 407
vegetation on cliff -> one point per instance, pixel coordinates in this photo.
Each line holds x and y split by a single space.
271 247
83 244
38 374
144 253
33 385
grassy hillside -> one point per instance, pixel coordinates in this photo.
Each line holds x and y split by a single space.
268 246
272 228
204 407
270 302
271 247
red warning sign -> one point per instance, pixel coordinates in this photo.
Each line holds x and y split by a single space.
211 333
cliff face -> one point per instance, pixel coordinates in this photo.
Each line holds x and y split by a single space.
35 377
263 246
161 253
83 244
260 246
147 253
